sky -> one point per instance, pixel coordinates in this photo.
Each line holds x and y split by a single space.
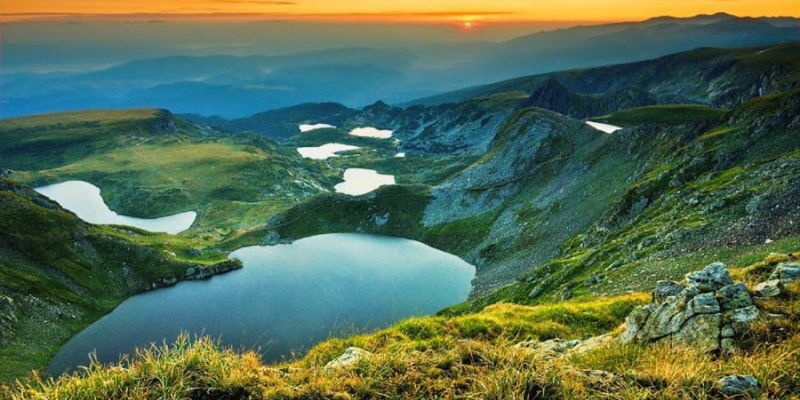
467 12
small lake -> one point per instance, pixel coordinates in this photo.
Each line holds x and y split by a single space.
371 132
325 151
84 199
312 127
607 128
286 298
358 181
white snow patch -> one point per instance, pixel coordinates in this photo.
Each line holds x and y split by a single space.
400 155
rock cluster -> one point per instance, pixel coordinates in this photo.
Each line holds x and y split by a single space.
774 285
554 348
710 312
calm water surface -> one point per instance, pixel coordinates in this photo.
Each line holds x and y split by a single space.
84 199
286 298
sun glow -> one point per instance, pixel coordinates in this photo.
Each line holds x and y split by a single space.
468 14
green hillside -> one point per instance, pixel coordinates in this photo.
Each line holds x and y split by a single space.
59 274
669 114
149 163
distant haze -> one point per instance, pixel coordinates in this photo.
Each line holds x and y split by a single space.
234 69
75 45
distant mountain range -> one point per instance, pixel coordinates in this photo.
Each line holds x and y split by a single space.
232 86
721 78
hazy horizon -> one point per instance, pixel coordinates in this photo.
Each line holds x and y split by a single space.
78 62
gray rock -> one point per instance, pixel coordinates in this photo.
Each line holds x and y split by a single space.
701 331
769 288
741 386
635 323
711 278
741 319
350 357
735 296
704 303
786 272
665 289
591 344
380 220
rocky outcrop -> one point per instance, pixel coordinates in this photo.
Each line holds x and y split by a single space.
709 312
199 272
350 357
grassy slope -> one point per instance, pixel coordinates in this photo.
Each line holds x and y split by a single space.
62 274
149 163
468 356
670 114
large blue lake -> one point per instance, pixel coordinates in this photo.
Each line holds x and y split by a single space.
285 299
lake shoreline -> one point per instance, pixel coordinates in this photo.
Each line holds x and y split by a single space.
286 287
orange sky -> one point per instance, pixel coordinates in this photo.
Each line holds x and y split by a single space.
406 10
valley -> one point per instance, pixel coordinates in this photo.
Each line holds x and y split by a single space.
571 194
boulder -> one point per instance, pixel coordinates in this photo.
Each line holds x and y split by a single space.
786 272
701 331
665 289
769 288
591 344
732 297
711 278
710 312
350 357
739 386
